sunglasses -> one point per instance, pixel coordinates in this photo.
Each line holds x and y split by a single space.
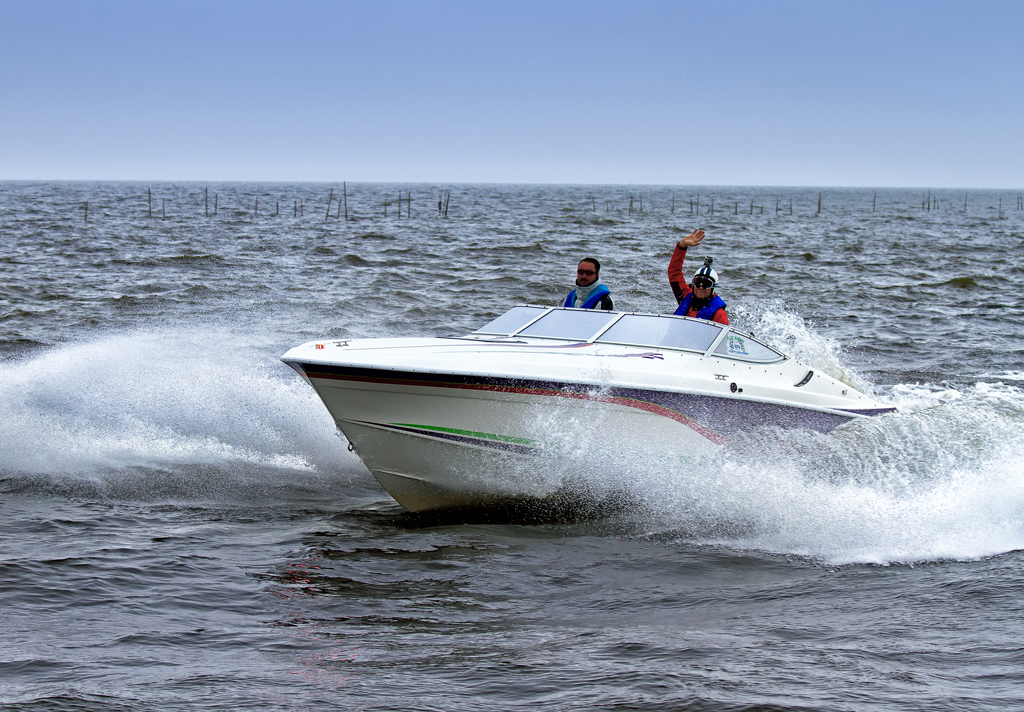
585 271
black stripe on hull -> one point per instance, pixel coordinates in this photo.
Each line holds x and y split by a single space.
487 443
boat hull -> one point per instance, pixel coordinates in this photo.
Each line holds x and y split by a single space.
444 441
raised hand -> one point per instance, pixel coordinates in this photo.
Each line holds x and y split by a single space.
692 239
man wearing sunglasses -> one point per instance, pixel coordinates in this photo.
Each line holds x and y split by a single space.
589 293
698 298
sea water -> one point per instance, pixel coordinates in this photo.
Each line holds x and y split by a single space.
183 528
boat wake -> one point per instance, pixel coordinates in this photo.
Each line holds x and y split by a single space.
159 399
941 479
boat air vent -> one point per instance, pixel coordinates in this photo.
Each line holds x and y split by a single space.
807 379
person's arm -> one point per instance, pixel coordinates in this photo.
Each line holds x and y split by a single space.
675 274
720 317
606 302
675 266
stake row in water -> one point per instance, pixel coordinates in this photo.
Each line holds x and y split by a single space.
929 202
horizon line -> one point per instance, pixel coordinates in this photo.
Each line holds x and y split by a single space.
498 183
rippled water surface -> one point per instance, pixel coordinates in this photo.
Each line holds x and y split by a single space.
183 528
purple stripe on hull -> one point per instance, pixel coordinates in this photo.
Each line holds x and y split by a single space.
716 415
730 416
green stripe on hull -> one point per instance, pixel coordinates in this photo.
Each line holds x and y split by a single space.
472 433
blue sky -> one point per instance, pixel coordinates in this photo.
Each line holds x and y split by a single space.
923 94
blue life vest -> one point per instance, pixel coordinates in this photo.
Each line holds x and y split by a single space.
707 312
592 300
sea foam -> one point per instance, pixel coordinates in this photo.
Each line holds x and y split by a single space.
159 398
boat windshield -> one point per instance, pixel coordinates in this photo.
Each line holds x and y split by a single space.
511 321
643 330
572 324
744 348
647 330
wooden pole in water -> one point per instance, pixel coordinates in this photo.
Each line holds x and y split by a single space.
215 196
338 216
149 192
329 199
295 209
344 191
819 202
87 211
163 208
776 206
673 202
751 206
641 205
965 203
256 210
277 208
736 208
873 201
712 205
447 197
206 202
631 205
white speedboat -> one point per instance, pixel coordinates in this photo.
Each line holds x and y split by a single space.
500 414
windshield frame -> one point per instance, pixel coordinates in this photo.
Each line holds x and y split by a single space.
724 331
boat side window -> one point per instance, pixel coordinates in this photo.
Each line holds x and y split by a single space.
744 348
573 324
511 321
661 331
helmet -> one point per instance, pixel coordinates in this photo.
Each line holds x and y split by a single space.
707 273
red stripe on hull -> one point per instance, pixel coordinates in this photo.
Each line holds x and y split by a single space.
627 402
